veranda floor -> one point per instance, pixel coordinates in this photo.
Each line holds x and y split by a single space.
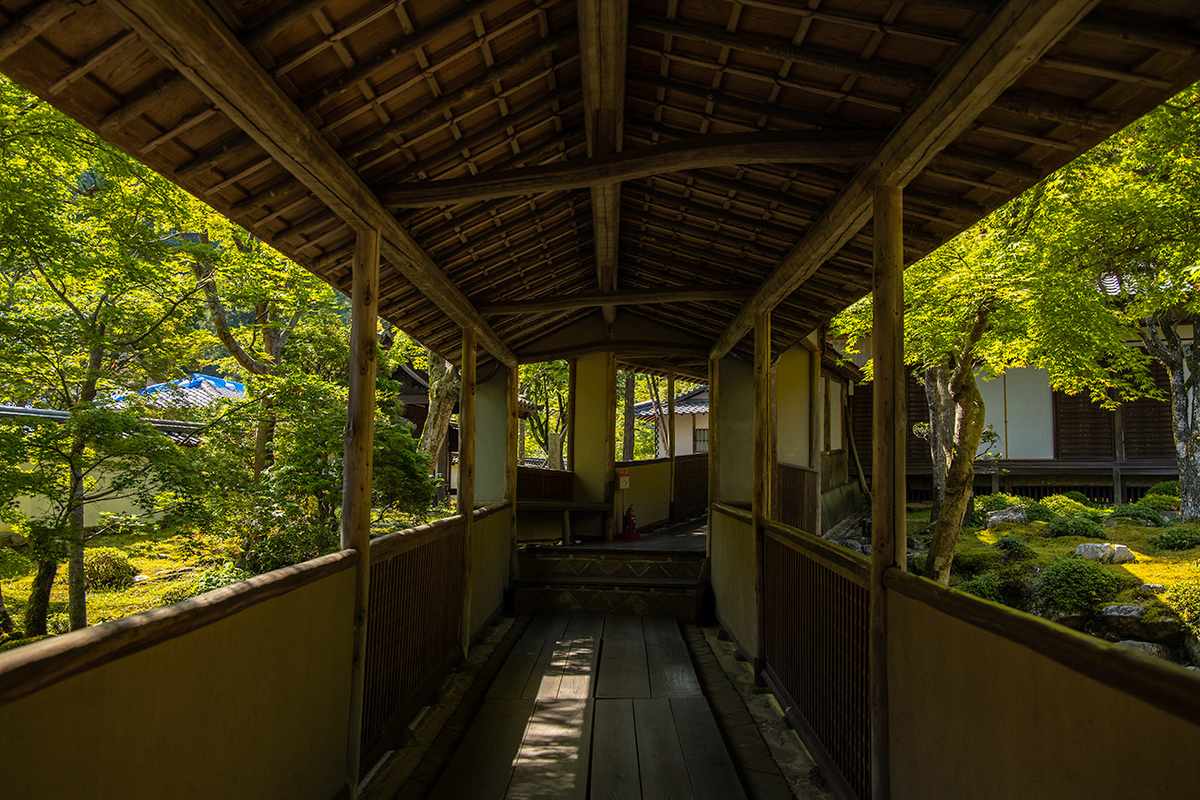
590 705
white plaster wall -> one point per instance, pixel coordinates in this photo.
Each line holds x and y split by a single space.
1030 429
491 437
792 396
736 429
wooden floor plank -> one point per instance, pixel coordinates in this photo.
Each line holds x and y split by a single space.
554 757
514 676
614 752
623 671
622 626
664 774
585 623
482 766
579 676
668 661
709 764
548 625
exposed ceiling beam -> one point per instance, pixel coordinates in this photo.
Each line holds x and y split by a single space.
603 44
192 38
639 297
22 30
1015 36
792 147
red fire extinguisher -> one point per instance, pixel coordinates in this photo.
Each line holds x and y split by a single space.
629 525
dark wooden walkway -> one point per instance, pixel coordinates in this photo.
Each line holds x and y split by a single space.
594 705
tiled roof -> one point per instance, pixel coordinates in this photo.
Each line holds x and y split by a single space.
196 391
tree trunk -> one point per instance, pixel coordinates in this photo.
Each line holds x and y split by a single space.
1164 343
76 580
942 416
6 623
264 436
39 598
443 393
960 478
627 440
554 449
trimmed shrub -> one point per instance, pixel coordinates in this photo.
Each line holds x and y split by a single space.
107 568
1074 526
1079 497
1169 488
1138 512
1038 512
994 502
981 586
1010 542
975 562
1184 599
1180 537
1063 506
1076 586
1159 502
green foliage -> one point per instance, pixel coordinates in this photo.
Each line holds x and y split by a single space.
975 562
1184 599
981 586
1074 526
1179 537
15 643
1079 497
994 502
1076 585
107 568
1159 502
1061 505
1010 542
1168 488
1037 511
1140 513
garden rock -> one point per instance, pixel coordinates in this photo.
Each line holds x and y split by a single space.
1071 619
1149 648
1124 620
140 578
1191 644
1105 553
857 544
1130 519
1014 514
1151 589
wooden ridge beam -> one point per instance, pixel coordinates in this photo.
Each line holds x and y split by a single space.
191 37
793 147
1016 35
603 48
24 29
622 298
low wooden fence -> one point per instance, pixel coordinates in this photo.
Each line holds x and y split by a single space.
815 648
691 485
796 497
545 484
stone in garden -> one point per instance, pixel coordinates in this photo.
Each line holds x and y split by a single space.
1014 514
1150 589
1191 644
1072 619
140 578
1149 648
1124 620
1094 551
1167 630
1122 555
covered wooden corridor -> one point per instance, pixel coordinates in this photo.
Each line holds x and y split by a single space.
687 187
592 705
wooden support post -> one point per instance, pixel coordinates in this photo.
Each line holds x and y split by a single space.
466 471
356 474
1118 454
816 435
671 443
714 445
610 451
888 531
511 463
761 497
572 370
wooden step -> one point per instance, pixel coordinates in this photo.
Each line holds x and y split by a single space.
685 599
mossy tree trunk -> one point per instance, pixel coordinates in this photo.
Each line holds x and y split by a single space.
39 597
6 623
1163 342
627 438
962 395
443 394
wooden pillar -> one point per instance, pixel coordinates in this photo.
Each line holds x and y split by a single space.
714 446
888 531
610 451
466 471
1118 419
760 504
356 474
571 374
671 443
816 433
510 471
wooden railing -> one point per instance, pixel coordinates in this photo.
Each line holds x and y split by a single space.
691 484
796 499
545 484
815 648
415 612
